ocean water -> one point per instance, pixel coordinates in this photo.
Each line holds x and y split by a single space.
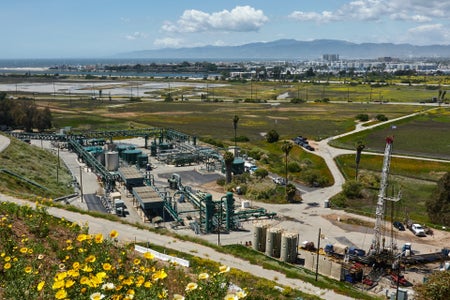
45 66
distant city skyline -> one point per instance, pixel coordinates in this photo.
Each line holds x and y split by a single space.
104 28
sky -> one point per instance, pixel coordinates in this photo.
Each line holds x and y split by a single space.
104 28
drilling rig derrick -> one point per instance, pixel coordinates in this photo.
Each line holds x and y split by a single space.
377 246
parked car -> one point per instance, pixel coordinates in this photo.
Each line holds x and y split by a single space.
398 225
279 180
418 230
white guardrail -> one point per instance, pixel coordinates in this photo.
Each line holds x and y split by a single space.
161 256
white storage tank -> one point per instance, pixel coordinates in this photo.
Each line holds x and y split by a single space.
289 246
245 204
112 161
259 237
273 242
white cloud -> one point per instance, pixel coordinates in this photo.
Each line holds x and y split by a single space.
239 19
136 35
168 42
429 34
375 10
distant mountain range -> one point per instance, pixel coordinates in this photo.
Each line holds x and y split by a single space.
293 49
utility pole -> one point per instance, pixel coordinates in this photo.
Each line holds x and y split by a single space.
317 256
81 183
57 168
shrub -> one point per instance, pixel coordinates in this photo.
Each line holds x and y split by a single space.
362 117
272 136
352 189
294 167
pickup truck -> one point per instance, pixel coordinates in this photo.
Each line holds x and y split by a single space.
418 230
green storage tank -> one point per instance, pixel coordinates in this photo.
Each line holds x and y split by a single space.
142 160
131 156
238 166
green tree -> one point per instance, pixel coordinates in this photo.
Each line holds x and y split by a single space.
228 158
291 191
437 287
438 206
272 136
286 148
352 189
261 173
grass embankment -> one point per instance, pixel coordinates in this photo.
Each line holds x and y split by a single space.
415 179
423 135
43 257
27 171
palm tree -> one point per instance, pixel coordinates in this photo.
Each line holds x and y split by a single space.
286 148
228 158
235 121
359 148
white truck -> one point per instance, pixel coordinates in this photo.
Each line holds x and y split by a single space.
418 230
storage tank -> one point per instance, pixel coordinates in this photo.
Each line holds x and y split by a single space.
273 242
142 160
131 156
289 246
245 204
112 161
259 237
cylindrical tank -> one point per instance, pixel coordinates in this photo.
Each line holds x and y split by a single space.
259 237
112 161
230 210
131 156
209 212
142 160
289 246
273 242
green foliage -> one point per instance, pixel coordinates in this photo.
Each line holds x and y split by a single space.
168 98
213 142
24 114
297 100
272 136
294 167
314 178
352 189
438 206
339 200
362 117
437 287
242 139
381 117
261 173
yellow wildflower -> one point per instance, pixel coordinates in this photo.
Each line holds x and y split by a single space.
231 297
28 269
98 238
40 286
161 274
224 269
203 276
61 294
113 234
91 258
178 297
148 255
191 286
69 283
97 296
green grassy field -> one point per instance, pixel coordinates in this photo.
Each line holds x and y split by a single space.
425 135
415 179
37 172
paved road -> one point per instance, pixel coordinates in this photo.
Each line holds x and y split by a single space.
302 218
